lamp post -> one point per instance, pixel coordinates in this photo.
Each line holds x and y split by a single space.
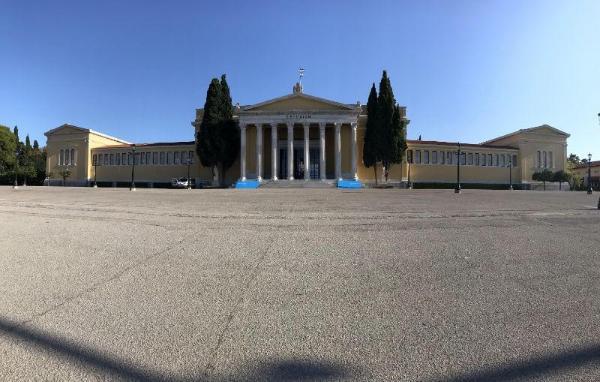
132 186
96 171
189 183
589 174
457 189
510 186
409 182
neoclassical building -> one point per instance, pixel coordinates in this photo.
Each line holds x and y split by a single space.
303 140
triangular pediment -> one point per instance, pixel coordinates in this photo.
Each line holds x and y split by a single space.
298 102
546 129
67 129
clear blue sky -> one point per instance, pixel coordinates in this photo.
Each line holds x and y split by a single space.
466 70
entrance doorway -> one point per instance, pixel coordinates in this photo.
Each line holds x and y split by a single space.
299 163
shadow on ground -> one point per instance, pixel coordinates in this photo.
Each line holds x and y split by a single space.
99 362
288 369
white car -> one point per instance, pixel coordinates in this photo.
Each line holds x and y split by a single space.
181 182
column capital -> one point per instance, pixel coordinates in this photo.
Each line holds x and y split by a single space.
290 125
322 125
354 125
243 126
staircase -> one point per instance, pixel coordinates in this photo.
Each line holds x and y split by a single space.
301 183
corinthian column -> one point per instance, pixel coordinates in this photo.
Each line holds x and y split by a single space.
243 152
354 169
259 151
290 158
306 152
274 151
338 151
322 150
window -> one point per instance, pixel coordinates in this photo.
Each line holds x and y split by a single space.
496 160
176 158
489 160
155 158
550 159
191 155
112 159
545 160
449 157
426 157
409 156
476 159
514 161
442 157
463 159
142 158
170 157
61 157
502 164
73 157
148 158
123 159
539 159
162 157
183 158
106 160
118 159
418 157
470 159
434 157
67 157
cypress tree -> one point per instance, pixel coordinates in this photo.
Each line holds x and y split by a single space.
398 136
206 144
229 130
385 113
217 141
36 145
370 146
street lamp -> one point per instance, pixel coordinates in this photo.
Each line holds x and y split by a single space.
132 186
189 183
510 187
589 174
457 189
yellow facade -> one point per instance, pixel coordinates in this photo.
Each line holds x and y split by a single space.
527 150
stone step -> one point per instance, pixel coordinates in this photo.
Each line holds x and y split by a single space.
330 183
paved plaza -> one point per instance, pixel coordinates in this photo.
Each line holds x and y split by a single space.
298 284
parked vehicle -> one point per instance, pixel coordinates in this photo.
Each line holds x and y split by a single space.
182 182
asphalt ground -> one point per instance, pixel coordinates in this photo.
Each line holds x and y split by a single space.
298 284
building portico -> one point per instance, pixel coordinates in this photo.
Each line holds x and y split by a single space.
302 136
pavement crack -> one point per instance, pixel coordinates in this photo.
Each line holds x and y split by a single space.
101 283
236 307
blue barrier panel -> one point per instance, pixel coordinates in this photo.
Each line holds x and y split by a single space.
247 184
349 184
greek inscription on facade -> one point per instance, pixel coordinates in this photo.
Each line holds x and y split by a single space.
298 116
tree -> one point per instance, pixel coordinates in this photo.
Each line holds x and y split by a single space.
398 138
27 161
574 160
370 146
217 141
36 146
391 126
543 176
385 114
560 177
64 173
8 148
